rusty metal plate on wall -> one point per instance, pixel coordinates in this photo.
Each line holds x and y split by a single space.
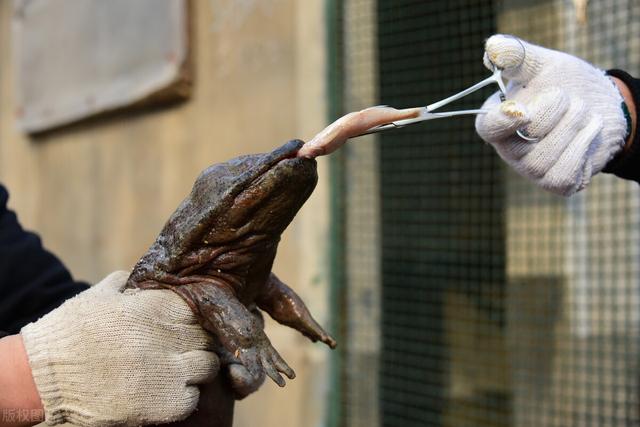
75 59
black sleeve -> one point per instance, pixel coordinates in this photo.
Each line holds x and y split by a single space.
627 164
32 280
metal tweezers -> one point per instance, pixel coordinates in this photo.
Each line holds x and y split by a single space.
426 113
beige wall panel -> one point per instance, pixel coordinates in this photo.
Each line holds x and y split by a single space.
115 62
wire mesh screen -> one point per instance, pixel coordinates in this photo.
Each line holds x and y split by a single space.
475 299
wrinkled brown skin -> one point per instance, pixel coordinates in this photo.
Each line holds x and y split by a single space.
217 249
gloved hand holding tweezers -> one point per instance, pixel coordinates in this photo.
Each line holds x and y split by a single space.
570 110
558 122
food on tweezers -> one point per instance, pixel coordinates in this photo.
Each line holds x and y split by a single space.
353 124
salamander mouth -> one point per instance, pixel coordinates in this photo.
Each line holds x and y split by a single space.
287 151
286 156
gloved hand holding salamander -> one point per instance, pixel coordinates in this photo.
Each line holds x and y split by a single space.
217 249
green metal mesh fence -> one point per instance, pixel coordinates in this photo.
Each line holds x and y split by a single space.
473 298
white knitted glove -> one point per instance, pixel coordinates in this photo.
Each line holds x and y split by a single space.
108 358
571 107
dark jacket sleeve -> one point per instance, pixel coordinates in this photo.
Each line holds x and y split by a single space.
32 280
627 164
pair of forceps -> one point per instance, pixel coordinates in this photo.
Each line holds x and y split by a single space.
426 113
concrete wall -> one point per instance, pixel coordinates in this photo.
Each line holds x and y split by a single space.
98 193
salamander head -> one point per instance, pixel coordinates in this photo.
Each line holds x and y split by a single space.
249 198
